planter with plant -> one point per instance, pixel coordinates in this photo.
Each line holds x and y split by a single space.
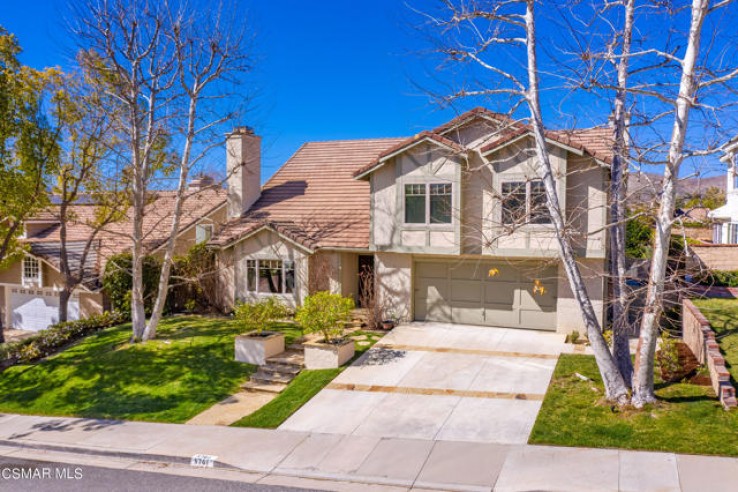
258 343
326 314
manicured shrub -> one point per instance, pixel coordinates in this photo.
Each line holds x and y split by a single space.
257 315
325 313
50 340
117 281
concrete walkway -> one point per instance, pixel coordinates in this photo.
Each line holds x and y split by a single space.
438 381
233 408
357 463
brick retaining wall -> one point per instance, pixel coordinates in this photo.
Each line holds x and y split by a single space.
700 338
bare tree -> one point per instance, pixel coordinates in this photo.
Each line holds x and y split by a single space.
496 32
168 65
694 77
87 140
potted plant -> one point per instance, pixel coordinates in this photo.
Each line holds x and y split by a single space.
258 344
327 314
390 322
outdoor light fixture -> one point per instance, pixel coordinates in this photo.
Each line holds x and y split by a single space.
538 287
493 272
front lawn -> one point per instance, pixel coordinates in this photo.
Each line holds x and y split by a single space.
305 386
187 369
723 317
688 419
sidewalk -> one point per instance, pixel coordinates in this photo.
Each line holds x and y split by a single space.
336 462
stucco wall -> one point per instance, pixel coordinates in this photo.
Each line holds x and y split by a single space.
394 283
587 198
267 245
350 275
90 303
717 257
569 315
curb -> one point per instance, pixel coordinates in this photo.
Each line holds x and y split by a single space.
159 458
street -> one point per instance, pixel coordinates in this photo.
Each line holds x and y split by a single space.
30 476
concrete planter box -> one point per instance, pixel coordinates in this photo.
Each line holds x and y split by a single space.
328 355
255 349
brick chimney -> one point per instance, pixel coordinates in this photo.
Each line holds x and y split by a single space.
243 167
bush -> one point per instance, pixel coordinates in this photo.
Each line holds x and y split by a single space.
193 281
325 313
668 358
50 340
254 316
117 281
719 278
639 233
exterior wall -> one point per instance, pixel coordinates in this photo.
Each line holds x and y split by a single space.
350 275
717 257
394 277
325 272
569 314
226 280
586 195
12 274
90 303
423 164
267 245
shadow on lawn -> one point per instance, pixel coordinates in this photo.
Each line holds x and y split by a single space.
170 379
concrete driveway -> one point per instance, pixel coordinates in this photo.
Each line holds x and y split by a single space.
437 381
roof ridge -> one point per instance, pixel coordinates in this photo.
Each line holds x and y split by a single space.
368 139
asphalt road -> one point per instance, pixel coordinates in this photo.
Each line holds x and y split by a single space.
63 477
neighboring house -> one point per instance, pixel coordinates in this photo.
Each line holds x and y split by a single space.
451 223
29 288
722 254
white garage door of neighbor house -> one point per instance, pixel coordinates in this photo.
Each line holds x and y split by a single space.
37 309
505 294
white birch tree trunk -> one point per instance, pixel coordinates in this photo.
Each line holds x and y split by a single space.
618 185
166 268
643 388
615 388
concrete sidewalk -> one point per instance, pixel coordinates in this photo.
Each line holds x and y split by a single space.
346 462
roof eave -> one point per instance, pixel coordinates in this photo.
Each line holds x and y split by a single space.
383 159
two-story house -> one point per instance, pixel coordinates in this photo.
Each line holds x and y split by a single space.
451 222
725 218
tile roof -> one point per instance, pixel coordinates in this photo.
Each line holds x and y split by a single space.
116 237
314 199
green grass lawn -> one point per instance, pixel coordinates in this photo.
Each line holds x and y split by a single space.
188 368
306 385
723 317
687 419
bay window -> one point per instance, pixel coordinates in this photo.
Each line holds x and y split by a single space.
270 276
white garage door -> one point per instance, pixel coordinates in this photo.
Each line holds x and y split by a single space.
36 309
516 295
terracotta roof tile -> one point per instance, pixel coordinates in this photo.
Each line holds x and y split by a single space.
314 198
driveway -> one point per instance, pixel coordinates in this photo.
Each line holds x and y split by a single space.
438 381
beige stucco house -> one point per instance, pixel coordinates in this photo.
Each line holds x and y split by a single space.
451 223
29 288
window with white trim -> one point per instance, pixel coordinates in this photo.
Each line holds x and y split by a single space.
732 233
270 276
524 202
31 271
428 203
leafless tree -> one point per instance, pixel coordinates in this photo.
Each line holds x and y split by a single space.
485 34
174 67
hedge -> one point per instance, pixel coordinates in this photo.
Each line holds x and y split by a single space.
47 342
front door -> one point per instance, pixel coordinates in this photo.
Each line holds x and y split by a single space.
366 279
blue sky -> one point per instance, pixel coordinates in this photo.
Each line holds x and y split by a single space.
326 70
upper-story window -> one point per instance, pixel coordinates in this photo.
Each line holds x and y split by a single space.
428 203
735 177
203 233
524 202
31 271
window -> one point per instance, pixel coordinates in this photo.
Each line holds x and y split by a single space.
203 233
415 204
440 203
524 200
513 202
31 271
437 210
538 208
270 276
732 234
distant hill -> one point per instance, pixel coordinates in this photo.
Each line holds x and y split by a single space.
644 186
